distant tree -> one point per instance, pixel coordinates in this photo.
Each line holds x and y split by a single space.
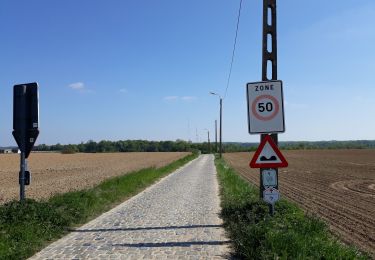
183 146
57 147
69 149
91 147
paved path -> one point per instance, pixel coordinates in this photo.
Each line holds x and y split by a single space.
177 218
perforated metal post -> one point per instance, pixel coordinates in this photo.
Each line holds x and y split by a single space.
269 30
269 56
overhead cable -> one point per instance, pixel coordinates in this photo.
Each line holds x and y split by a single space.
234 49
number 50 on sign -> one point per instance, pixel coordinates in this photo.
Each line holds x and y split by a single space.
265 107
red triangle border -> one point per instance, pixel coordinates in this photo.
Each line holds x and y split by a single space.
281 164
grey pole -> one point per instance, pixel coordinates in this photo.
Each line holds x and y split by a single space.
23 148
221 121
215 136
22 177
269 29
221 126
208 139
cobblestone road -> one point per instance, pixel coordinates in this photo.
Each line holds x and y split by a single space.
177 218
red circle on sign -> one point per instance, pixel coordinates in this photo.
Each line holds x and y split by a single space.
271 116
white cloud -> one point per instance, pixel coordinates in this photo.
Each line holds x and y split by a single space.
188 98
123 90
183 98
77 86
171 98
80 87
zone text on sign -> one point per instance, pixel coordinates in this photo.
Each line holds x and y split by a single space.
264 87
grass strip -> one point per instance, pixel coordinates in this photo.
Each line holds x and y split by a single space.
27 227
290 234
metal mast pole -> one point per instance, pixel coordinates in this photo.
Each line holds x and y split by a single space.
215 136
221 126
269 55
208 139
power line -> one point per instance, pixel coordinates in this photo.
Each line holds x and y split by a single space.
234 48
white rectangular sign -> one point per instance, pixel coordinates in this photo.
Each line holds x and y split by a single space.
269 177
265 107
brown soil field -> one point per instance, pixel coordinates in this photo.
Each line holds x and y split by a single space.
336 185
53 173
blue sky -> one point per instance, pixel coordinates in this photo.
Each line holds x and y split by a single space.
143 69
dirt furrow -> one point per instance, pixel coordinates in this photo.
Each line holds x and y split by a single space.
336 185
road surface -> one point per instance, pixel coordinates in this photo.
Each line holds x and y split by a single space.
177 218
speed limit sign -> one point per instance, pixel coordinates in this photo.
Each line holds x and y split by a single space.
265 107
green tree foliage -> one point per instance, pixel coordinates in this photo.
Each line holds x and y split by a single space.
105 146
70 149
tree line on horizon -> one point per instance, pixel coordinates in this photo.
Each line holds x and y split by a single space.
305 145
105 146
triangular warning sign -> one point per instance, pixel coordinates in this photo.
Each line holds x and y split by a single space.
268 155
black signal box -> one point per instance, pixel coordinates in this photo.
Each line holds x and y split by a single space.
26 116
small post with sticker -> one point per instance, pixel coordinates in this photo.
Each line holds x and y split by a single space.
25 126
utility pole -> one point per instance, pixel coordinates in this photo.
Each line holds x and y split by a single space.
221 126
208 140
209 144
269 54
221 121
215 136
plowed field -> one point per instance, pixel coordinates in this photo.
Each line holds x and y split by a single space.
58 173
336 185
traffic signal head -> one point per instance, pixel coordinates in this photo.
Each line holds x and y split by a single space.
26 116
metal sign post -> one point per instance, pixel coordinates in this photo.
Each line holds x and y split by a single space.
266 112
22 107
269 55
25 126
22 176
215 136
221 126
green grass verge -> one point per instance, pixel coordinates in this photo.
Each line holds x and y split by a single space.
290 234
27 227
